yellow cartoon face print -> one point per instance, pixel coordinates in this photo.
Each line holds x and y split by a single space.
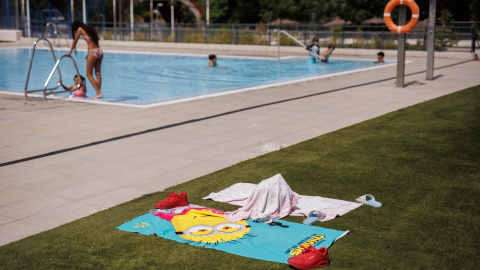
208 227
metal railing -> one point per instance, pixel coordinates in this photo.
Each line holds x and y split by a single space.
290 36
344 36
60 83
55 35
45 89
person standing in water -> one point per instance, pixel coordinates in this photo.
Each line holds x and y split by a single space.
380 57
95 53
212 60
326 54
313 51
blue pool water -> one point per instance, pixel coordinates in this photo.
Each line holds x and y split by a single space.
142 79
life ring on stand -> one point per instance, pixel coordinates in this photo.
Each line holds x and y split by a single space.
387 16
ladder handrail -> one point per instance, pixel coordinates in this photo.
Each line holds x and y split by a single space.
54 26
31 61
294 39
55 33
53 71
57 62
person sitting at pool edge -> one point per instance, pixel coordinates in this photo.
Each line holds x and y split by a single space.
328 52
380 56
79 89
212 60
313 51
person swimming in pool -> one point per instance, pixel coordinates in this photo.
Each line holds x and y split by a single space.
328 52
212 60
95 53
79 88
380 57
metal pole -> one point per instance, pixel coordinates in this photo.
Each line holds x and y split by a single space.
7 7
431 38
343 37
17 20
131 20
205 31
208 12
151 12
72 11
49 10
151 21
103 14
84 8
29 32
278 44
402 19
172 19
22 11
120 14
114 14
383 35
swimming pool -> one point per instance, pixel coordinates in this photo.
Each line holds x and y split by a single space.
153 78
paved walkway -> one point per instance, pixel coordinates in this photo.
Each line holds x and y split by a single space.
68 160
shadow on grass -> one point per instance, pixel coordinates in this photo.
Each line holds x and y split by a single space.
421 162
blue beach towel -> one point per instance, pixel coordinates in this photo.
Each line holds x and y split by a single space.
275 243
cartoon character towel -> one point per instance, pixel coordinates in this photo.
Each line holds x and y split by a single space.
274 242
243 194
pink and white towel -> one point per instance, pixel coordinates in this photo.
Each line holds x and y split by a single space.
272 198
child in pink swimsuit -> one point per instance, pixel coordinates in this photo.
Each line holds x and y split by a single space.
79 88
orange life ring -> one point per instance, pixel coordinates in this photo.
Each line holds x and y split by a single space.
387 16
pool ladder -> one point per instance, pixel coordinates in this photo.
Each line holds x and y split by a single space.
55 36
46 90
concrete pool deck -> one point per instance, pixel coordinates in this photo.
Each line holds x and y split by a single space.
64 160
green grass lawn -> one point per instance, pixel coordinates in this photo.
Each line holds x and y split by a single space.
422 163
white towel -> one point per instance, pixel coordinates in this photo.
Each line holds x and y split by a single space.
271 199
257 205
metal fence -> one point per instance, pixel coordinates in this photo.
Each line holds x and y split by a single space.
344 36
